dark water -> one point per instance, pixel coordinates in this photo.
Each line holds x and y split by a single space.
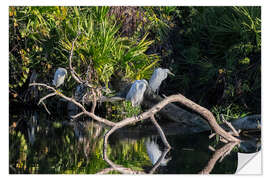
39 143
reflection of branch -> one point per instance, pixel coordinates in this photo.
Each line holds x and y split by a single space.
220 153
161 158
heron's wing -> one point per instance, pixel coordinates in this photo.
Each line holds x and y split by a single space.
155 82
131 91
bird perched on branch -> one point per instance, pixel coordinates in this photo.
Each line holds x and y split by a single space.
59 77
136 92
157 77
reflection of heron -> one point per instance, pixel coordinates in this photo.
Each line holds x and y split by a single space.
59 77
32 125
154 153
135 93
157 77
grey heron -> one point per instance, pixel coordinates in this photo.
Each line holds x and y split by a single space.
59 77
157 77
136 92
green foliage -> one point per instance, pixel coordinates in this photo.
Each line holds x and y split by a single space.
41 39
132 155
229 112
57 150
220 46
121 110
18 150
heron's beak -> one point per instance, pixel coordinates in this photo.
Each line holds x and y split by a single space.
171 73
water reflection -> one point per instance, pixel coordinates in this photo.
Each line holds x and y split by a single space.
155 153
32 127
43 144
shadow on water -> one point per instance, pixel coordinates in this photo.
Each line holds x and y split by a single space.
43 144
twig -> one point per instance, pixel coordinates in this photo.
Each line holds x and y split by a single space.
235 133
223 140
45 107
212 135
94 102
77 115
211 148
45 97
73 72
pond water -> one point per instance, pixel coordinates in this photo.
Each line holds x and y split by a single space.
43 144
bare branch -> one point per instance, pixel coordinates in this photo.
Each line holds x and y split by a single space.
45 107
73 72
161 133
223 140
211 148
179 98
235 133
211 135
94 102
77 115
45 97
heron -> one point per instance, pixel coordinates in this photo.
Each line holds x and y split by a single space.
59 77
136 92
157 77
154 153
